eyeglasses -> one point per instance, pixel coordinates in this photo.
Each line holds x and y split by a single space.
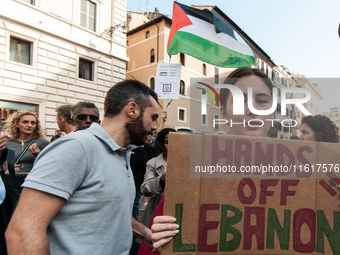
93 118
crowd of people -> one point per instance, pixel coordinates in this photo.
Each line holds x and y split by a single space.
82 192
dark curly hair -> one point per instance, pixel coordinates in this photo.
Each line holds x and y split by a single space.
324 129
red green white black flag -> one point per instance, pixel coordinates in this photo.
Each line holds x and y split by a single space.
205 36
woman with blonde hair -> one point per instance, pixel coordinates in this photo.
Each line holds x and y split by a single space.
27 137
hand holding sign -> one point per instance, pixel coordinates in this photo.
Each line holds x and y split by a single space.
163 229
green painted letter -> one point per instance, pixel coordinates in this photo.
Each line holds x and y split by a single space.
178 246
332 236
226 227
282 233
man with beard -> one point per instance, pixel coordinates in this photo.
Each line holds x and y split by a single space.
84 114
80 201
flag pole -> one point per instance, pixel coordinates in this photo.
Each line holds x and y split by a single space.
166 99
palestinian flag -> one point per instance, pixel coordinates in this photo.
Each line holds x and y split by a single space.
205 36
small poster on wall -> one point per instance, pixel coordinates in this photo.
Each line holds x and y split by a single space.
168 78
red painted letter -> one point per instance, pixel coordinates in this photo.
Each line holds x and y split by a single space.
281 150
204 227
240 191
264 192
250 230
301 216
226 154
304 161
285 192
242 153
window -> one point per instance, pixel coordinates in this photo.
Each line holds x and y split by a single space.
331 115
182 88
152 56
278 92
29 1
86 69
182 59
336 115
8 108
181 114
204 69
217 101
88 15
278 108
152 83
20 51
262 66
217 125
217 76
204 120
291 114
287 112
256 61
147 34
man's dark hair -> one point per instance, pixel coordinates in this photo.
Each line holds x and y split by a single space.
125 92
64 111
84 104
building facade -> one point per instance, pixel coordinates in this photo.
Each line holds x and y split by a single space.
147 44
334 115
57 52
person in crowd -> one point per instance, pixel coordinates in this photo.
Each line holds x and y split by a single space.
79 196
58 134
2 123
272 133
294 137
141 155
45 132
26 139
24 127
3 139
84 114
155 142
64 119
150 137
155 175
319 128
149 141
164 227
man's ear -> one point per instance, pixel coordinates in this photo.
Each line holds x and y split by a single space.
70 121
321 135
132 110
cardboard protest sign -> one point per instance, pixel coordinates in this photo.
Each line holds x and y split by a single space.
249 212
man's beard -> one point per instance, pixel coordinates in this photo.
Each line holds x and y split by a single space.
136 130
